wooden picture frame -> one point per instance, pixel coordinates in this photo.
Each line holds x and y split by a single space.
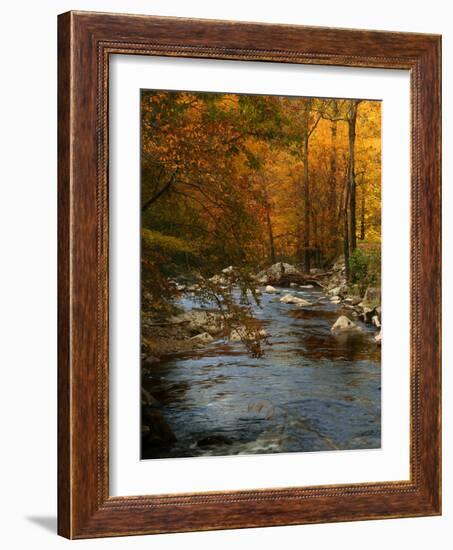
85 42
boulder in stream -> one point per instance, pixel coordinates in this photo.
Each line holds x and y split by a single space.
290 299
343 324
353 300
337 291
262 278
278 272
271 290
150 361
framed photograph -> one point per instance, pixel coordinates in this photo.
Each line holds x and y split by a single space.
249 275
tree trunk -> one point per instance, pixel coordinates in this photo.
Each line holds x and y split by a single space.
307 131
346 234
306 201
315 246
333 176
351 173
271 235
362 212
267 207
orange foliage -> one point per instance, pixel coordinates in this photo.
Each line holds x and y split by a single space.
225 173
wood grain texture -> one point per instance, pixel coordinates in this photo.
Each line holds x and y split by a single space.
85 42
64 368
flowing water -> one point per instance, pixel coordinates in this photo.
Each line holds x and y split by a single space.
312 391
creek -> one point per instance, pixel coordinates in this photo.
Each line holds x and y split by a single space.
311 391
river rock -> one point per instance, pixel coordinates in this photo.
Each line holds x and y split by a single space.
202 338
335 299
335 291
281 268
375 321
198 321
262 278
301 302
378 338
150 361
271 290
343 324
290 299
353 300
306 286
278 272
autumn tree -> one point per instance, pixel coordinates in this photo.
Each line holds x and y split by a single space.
247 181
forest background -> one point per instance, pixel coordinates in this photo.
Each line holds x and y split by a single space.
248 181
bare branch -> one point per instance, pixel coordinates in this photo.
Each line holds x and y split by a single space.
163 190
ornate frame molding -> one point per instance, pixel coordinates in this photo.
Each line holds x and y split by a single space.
86 40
